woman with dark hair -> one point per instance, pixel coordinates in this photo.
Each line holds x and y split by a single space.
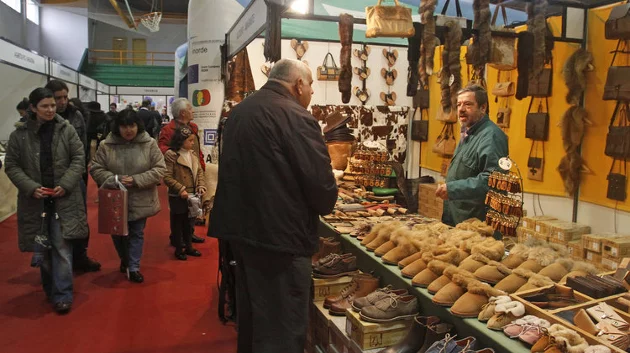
22 109
133 156
45 160
184 177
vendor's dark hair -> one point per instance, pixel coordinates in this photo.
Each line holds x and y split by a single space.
481 95
179 136
38 94
56 86
125 118
23 105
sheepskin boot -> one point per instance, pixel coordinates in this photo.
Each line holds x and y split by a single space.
557 270
536 281
449 294
478 294
487 311
505 313
433 271
493 272
518 254
409 259
580 268
514 281
539 258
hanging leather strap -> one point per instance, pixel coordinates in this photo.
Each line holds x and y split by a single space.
457 8
496 13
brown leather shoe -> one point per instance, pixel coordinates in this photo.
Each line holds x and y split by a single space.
366 284
392 308
372 298
326 246
339 265
346 291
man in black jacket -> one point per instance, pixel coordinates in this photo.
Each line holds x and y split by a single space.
150 118
275 179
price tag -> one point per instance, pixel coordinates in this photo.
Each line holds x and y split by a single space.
505 163
451 80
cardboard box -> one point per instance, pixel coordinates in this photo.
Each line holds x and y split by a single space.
329 286
568 231
545 227
368 335
559 243
530 222
592 242
610 263
576 250
319 322
594 258
616 247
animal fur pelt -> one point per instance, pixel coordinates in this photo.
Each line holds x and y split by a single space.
480 48
413 56
525 48
574 74
429 41
452 66
570 167
272 49
346 26
241 80
537 25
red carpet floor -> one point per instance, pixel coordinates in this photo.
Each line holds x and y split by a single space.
174 310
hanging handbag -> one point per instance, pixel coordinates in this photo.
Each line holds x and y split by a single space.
618 23
617 86
113 209
419 127
449 118
504 89
503 48
617 182
328 71
503 116
422 98
540 85
445 143
537 124
388 21
535 164
618 137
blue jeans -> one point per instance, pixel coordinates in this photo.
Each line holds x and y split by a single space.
56 270
129 247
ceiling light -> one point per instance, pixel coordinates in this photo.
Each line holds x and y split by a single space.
300 6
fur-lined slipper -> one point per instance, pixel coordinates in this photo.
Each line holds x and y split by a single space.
491 248
476 225
569 341
441 281
411 270
597 349
580 268
518 254
538 258
434 270
528 329
505 313
514 281
449 294
487 311
493 272
384 248
439 227
536 281
404 247
558 269
376 230
474 262
478 294
409 259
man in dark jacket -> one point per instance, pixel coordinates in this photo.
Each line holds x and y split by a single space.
481 146
150 118
275 179
80 259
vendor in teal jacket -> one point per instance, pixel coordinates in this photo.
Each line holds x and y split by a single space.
481 145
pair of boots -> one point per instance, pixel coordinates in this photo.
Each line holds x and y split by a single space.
424 332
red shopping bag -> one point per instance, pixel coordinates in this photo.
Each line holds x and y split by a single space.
112 210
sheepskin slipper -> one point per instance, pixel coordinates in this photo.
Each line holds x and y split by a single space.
409 259
487 311
474 262
382 230
411 270
384 248
470 304
493 272
597 349
528 329
434 270
448 295
505 313
580 268
518 254
476 225
536 281
439 283
567 341
557 270
538 258
546 338
514 281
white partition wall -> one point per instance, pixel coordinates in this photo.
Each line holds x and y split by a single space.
22 83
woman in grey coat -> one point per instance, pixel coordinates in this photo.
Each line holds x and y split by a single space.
131 154
45 161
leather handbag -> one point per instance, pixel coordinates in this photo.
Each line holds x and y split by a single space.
504 89
540 85
113 209
388 21
422 98
329 71
503 48
537 124
535 163
618 23
503 116
618 137
419 127
617 182
617 86
445 144
449 118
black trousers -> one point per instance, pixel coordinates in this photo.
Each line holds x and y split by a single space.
80 246
272 297
181 230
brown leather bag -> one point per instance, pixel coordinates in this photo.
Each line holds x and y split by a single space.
503 50
618 137
536 163
503 116
445 144
618 23
388 21
450 117
419 127
540 86
422 98
537 124
504 89
113 210
617 86
329 71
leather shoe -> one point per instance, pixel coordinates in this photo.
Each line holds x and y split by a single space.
180 256
63 307
193 252
136 276
87 265
196 239
123 267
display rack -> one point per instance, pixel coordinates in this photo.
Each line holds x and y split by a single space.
505 198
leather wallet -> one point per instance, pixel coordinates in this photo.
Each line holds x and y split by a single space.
583 321
595 286
602 312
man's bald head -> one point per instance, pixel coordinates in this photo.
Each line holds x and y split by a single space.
296 76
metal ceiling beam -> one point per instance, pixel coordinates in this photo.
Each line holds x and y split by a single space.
120 13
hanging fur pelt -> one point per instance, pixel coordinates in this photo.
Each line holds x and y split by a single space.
452 66
429 41
573 125
525 45
570 169
574 74
481 45
537 25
